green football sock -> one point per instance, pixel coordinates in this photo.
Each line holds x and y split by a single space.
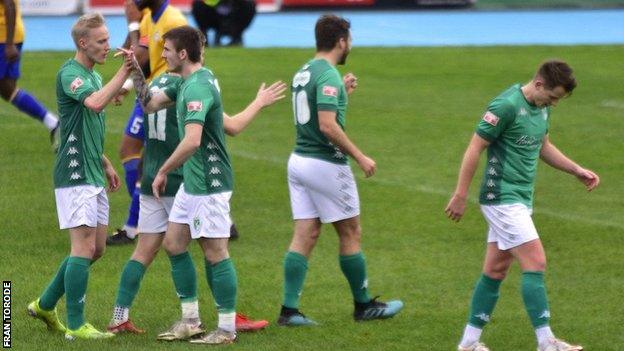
184 279
129 283
76 279
224 286
354 269
484 300
55 289
535 299
295 268
208 266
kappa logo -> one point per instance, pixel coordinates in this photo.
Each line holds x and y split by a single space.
213 158
196 223
214 170
522 111
73 164
490 183
490 196
72 151
163 80
491 118
494 160
194 106
211 146
75 84
215 183
545 314
75 176
482 316
339 154
83 299
492 171
328 90
72 138
364 284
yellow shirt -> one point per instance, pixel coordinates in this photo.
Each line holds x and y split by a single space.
18 36
151 36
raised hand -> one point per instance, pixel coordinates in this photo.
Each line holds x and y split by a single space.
269 95
350 82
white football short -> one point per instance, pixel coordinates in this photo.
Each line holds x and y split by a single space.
154 213
509 225
81 205
321 189
208 216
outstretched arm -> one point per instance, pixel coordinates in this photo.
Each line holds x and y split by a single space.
266 96
457 204
556 159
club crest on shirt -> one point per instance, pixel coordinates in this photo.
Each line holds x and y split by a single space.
194 106
75 84
491 118
328 90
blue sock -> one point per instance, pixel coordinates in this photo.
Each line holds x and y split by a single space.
133 210
28 104
131 169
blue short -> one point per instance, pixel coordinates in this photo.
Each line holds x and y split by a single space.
134 128
10 70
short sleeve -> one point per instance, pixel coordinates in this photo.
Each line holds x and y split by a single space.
76 86
498 117
197 101
171 90
327 90
143 31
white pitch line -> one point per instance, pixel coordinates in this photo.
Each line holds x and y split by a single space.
439 192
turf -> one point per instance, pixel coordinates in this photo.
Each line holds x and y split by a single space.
414 112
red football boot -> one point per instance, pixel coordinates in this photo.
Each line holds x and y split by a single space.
126 326
244 324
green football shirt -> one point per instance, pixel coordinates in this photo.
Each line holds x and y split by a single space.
79 158
161 137
516 129
317 86
208 170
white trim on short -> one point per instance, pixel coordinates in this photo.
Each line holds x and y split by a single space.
321 189
81 205
208 216
154 214
509 225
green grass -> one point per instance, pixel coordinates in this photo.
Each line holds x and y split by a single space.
415 111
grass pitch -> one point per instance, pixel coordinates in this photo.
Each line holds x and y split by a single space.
414 113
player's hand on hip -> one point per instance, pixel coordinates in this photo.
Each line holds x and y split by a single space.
350 82
589 178
368 165
158 185
114 182
456 207
269 95
11 53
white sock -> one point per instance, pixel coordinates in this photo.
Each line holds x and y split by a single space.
50 121
227 321
471 336
131 232
544 334
120 314
190 312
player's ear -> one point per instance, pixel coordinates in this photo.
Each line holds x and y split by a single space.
182 54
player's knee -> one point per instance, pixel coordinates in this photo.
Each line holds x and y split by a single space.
6 91
97 253
172 248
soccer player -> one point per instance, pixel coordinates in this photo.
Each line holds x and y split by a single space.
80 174
11 40
200 209
322 186
161 130
156 17
514 130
